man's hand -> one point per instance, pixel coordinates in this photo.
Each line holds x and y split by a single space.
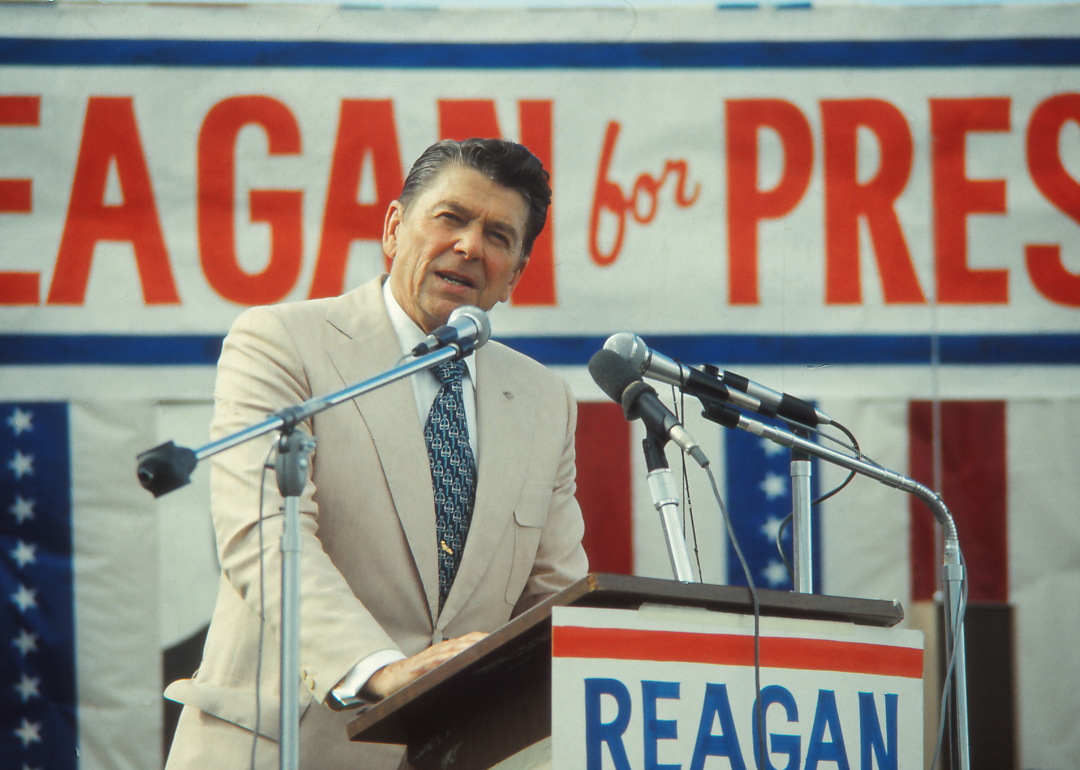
392 678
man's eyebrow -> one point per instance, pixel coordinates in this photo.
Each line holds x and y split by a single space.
499 225
454 206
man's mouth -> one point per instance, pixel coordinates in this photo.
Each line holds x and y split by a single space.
457 280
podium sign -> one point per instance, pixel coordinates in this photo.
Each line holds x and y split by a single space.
673 689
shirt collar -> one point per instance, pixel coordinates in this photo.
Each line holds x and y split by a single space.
409 334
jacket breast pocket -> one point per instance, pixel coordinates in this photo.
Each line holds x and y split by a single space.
530 515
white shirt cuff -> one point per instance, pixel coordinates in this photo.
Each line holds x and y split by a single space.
347 693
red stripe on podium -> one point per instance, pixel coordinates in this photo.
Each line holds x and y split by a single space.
737 650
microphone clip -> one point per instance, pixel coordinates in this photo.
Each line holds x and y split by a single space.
718 411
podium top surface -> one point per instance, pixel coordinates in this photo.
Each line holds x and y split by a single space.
526 639
627 592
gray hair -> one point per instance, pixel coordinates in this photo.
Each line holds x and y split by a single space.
506 163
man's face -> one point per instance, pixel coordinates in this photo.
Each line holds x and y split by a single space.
459 243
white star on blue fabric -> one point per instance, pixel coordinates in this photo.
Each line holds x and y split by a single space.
25 598
24 553
22 509
774 486
26 642
775 574
28 732
770 448
28 687
771 528
22 465
21 421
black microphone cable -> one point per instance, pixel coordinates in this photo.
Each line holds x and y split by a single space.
762 757
616 377
854 446
680 405
688 504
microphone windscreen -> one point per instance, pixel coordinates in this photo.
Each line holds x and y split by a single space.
630 398
612 373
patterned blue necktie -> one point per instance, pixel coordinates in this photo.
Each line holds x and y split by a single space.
453 471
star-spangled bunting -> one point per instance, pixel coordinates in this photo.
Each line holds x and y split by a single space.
26 642
758 499
28 687
37 657
24 554
22 509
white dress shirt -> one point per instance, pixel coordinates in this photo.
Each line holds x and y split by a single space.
425 387
425 384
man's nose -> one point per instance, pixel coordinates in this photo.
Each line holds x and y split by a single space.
470 242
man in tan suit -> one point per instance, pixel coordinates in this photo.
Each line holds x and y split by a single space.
371 620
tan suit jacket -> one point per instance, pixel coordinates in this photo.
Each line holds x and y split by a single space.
369 574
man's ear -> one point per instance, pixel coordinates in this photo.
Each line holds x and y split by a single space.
514 278
394 215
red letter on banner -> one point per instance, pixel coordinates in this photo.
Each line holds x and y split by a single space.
537 285
465 118
365 128
1047 171
461 119
110 134
747 205
18 288
281 209
956 196
846 200
607 196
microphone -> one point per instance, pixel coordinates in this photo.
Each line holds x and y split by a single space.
468 325
727 386
617 378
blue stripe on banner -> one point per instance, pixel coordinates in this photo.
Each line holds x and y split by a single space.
110 349
758 498
37 621
888 54
822 350
723 349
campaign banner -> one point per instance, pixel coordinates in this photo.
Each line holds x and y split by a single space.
666 688
824 193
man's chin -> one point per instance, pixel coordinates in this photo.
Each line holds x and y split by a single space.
446 306
438 315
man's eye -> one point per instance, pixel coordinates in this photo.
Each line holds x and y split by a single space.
450 216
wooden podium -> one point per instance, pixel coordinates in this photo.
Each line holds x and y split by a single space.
494 699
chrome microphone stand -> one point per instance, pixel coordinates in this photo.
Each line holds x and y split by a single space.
802 533
665 495
952 568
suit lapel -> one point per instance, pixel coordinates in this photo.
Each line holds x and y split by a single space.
391 419
505 423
